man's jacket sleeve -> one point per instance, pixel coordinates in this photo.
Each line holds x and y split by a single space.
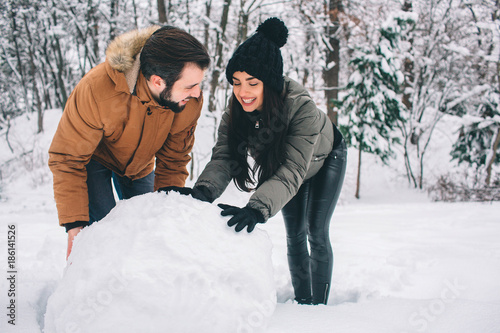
77 136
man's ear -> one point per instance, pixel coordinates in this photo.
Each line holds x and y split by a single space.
156 85
157 82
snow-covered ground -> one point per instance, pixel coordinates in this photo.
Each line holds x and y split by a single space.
402 263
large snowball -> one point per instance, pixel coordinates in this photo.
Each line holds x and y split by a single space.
164 263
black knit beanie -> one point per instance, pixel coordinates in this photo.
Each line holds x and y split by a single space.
260 56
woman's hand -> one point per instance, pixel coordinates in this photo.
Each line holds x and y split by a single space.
242 217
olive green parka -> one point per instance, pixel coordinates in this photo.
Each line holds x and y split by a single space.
309 140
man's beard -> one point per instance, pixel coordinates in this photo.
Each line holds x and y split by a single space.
165 100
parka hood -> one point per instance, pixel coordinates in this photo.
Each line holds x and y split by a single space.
123 53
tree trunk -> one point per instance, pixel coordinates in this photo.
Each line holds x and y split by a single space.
162 12
214 83
7 135
50 72
493 158
94 34
113 13
134 5
331 69
496 143
242 27
56 47
208 8
63 96
308 50
409 171
358 178
36 93
408 66
188 23
20 68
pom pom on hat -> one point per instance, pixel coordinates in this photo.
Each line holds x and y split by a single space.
260 55
275 30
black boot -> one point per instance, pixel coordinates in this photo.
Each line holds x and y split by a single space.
321 268
301 277
320 293
304 301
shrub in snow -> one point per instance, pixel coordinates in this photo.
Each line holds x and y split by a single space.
449 189
164 263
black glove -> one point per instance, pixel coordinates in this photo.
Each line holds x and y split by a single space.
76 224
242 217
199 192
181 190
202 193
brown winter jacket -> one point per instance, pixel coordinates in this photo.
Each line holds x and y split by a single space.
123 131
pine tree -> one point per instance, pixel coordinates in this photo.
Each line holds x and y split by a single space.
372 99
478 142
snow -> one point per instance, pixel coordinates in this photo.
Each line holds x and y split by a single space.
356 78
403 264
175 259
454 47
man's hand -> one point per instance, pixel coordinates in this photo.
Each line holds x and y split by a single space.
71 235
198 192
181 190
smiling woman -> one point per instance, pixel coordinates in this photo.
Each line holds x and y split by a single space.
249 91
299 155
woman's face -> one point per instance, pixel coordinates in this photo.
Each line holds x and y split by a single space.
249 91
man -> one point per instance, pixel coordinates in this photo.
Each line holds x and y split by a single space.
139 107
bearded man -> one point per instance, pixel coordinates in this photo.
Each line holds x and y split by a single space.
129 121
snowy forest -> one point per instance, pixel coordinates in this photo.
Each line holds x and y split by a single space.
389 73
413 85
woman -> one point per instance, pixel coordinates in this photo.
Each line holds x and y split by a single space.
299 159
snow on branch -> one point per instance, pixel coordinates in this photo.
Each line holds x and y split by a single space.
476 91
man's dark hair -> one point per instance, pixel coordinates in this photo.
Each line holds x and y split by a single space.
168 50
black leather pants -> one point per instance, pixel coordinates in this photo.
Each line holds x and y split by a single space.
307 217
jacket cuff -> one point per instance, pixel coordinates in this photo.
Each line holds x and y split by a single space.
208 190
76 224
262 209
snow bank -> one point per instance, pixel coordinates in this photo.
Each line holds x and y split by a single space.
165 263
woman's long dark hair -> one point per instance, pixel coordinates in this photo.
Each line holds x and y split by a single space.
266 144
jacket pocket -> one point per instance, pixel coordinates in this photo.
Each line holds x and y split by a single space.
318 158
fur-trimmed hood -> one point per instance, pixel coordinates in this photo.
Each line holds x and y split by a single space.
123 50
123 53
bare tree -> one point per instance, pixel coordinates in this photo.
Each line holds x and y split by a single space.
247 7
208 9
441 83
408 64
33 71
332 56
16 33
219 56
162 12
495 17
333 20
